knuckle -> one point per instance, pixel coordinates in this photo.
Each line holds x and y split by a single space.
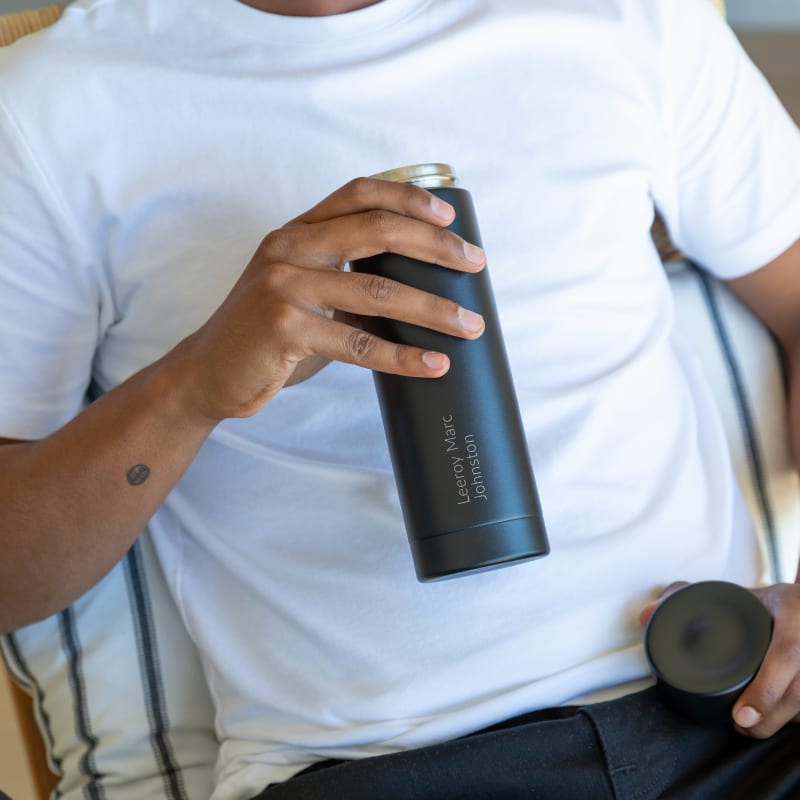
359 344
275 244
277 276
767 696
380 221
783 600
399 355
378 288
790 652
413 193
436 305
415 198
446 244
359 189
287 319
792 695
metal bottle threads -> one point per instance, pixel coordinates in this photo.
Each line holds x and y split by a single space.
457 444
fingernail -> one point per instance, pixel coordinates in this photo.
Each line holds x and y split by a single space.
434 360
747 716
474 255
442 210
469 320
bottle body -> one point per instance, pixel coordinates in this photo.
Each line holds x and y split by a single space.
457 443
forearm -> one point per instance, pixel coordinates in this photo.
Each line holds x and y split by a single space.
69 509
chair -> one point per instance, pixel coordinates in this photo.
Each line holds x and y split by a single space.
13 26
43 779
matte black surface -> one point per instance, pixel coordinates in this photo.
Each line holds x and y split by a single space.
478 549
631 748
471 414
705 643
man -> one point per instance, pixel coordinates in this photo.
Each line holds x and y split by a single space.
144 249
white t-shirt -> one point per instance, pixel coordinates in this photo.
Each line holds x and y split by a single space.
146 147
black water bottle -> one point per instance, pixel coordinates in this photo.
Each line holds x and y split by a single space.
457 444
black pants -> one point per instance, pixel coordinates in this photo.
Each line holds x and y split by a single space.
628 749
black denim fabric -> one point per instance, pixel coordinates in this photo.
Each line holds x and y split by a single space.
633 748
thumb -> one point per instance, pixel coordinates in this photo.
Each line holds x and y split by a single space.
647 611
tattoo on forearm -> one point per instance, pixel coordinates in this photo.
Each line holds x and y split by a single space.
138 474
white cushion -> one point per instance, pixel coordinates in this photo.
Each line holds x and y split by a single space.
743 367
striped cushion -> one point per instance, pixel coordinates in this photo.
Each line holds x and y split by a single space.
118 691
742 364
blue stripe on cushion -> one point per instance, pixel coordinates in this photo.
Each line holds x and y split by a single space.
744 412
19 669
151 673
93 790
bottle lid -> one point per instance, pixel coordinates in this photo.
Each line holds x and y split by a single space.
704 644
428 176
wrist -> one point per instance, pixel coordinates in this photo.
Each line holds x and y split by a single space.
174 383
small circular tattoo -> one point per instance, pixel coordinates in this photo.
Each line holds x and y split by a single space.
138 474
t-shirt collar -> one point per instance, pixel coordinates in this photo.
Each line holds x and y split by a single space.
278 28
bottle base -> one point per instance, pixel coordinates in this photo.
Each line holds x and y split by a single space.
478 549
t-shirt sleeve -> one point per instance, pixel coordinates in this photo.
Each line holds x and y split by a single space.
736 195
49 300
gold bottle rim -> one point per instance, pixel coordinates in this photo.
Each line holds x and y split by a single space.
428 176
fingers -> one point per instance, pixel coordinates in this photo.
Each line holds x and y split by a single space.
364 194
300 302
773 697
649 609
376 296
282 320
369 216
340 342
332 243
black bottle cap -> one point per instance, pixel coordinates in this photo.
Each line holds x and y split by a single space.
704 644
